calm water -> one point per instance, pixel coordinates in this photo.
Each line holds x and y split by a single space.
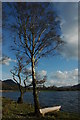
67 99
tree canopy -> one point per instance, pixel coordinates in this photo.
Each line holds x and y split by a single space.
38 22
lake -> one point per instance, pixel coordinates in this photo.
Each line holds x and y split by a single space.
67 99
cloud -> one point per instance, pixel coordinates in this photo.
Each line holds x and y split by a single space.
68 13
42 72
65 78
29 81
70 49
40 75
6 60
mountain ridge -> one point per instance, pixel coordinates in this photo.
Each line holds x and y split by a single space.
9 84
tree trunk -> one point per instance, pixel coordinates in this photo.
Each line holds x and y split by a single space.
20 99
35 95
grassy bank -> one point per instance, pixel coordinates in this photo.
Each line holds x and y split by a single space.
13 111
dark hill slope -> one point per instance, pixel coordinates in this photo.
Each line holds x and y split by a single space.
9 85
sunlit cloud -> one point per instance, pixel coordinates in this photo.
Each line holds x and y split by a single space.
64 78
68 13
43 72
40 74
6 60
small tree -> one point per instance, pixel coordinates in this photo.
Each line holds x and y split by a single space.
19 77
38 34
39 82
40 79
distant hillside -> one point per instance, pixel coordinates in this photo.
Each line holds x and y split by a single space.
64 88
9 85
9 81
68 88
76 87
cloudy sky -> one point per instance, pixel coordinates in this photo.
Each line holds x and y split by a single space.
61 70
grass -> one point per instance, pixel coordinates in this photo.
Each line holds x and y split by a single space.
13 111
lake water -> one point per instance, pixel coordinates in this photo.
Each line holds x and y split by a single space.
69 100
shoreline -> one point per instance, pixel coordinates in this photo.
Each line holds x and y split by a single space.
9 91
38 90
13 110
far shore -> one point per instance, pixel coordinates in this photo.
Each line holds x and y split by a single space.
38 90
8 90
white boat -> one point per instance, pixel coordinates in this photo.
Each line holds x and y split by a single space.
43 111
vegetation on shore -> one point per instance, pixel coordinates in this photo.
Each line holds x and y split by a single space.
12 110
10 85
